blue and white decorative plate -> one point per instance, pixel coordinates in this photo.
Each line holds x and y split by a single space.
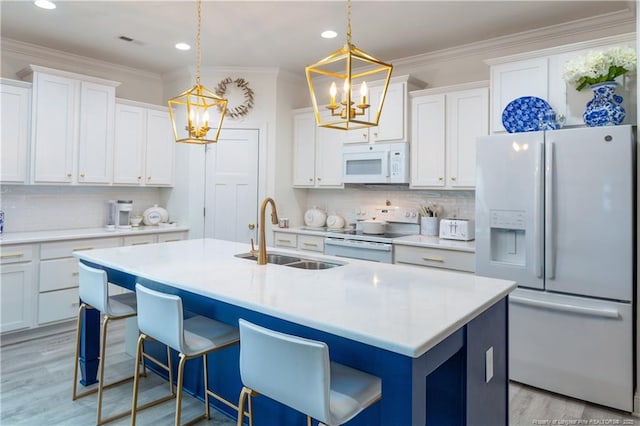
524 114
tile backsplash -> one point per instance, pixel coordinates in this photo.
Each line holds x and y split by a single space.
345 201
43 208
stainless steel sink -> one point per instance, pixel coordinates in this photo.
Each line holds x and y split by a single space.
313 264
294 262
278 259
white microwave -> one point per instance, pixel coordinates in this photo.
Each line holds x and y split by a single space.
375 163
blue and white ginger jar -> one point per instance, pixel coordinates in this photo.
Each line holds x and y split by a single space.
605 108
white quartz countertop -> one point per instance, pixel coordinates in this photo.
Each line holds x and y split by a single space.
72 234
435 242
402 309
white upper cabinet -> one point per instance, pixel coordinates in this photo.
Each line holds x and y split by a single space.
15 119
467 118
71 127
539 74
393 125
161 145
428 135
95 147
445 123
513 80
317 153
144 152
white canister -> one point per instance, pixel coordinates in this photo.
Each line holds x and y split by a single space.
429 226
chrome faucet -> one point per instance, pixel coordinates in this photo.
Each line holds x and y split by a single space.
262 244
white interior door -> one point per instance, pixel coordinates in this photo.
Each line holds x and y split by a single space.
231 186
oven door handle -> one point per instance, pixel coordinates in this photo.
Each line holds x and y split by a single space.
366 246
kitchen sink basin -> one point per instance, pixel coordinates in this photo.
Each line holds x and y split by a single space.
313 264
278 259
292 261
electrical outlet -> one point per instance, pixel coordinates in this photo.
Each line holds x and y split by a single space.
488 361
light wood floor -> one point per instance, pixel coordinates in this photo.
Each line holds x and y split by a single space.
36 377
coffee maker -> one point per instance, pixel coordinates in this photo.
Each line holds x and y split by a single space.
123 213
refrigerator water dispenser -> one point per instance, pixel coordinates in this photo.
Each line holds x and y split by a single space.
508 237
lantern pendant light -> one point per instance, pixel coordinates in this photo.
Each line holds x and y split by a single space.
194 111
351 71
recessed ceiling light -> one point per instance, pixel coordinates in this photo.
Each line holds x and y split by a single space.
329 34
45 4
182 46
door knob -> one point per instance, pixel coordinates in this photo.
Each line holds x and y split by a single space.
453 178
252 226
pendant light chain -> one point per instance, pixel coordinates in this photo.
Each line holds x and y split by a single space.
349 22
198 58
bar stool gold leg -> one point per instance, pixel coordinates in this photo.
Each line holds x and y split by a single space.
75 394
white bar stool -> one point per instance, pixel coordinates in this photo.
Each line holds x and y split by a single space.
297 372
160 317
94 293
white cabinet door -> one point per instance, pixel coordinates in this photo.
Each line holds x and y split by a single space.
16 296
95 146
428 141
53 129
467 118
392 126
329 157
130 145
160 153
144 151
15 119
304 135
392 123
510 81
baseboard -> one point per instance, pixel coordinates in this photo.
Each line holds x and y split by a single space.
12 338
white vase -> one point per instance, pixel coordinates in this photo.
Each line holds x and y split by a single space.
429 226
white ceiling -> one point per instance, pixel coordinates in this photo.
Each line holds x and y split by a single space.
284 34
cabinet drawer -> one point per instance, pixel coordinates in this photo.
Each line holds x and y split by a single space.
171 237
424 256
66 248
57 274
311 243
138 240
16 253
57 305
285 240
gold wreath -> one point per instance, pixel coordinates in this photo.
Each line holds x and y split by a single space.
246 106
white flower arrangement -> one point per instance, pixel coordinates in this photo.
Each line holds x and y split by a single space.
598 66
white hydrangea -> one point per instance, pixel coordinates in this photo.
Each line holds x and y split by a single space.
598 66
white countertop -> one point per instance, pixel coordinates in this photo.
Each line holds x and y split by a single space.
403 309
72 234
435 242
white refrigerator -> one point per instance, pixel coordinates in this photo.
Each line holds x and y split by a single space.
555 211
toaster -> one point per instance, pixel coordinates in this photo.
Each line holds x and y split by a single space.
458 229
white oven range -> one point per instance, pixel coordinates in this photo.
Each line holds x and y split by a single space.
356 244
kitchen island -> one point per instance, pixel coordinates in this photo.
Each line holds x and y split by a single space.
437 339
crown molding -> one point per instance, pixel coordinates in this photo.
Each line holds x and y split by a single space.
452 88
31 51
522 39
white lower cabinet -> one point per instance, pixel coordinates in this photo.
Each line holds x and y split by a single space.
433 257
301 242
311 243
58 283
285 239
16 287
170 237
39 281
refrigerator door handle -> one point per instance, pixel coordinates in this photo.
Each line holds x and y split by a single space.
538 215
566 307
549 237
